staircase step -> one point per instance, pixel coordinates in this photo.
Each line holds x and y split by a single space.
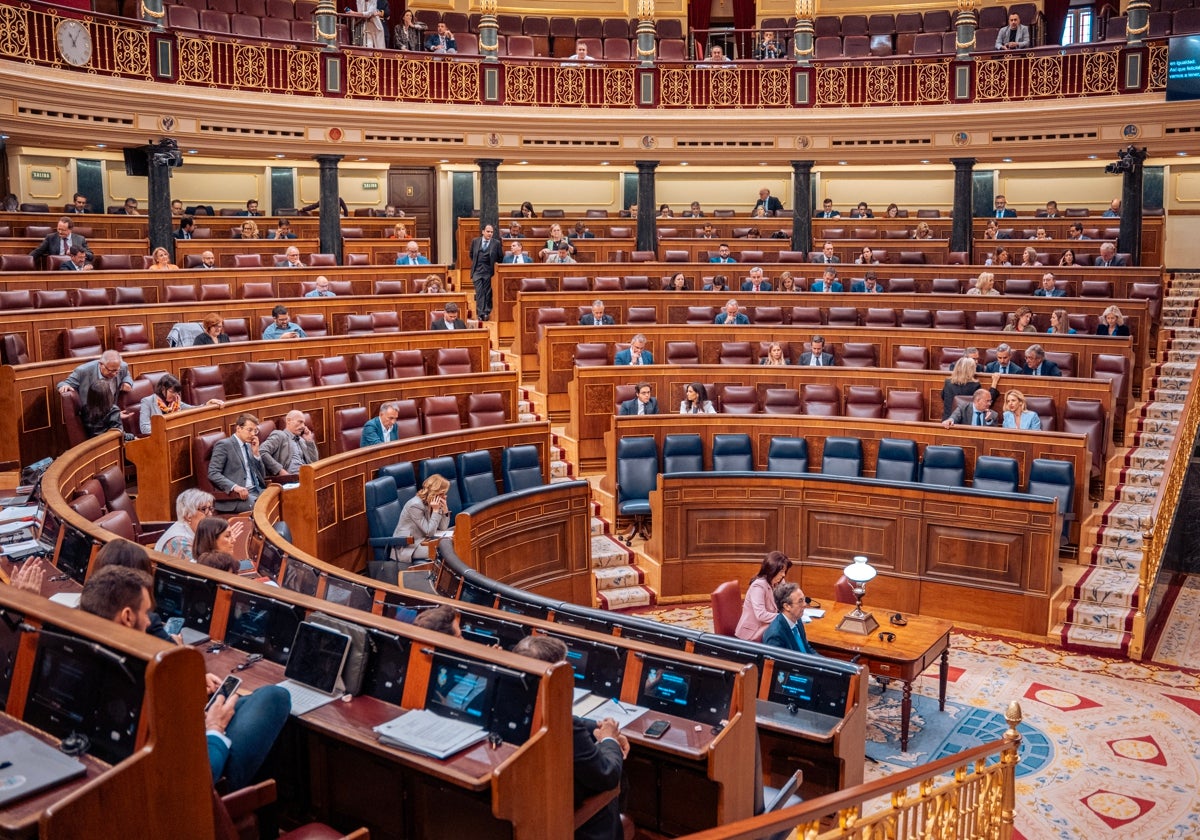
1128 516
1105 557
560 469
1084 614
606 552
1077 637
630 596
599 526
618 577
1107 587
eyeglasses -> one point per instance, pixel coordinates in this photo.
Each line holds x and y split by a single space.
110 369
206 509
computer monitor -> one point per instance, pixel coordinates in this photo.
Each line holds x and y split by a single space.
82 687
491 631
74 553
403 607
809 687
461 688
668 637
270 561
181 595
584 617
258 624
476 593
691 691
348 593
387 663
729 649
517 606
447 580
599 667
1183 68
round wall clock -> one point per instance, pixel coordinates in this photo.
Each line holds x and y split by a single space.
74 42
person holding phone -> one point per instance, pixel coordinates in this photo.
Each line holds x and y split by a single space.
286 450
236 468
423 516
282 326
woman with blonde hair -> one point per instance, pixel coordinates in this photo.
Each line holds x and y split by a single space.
1021 321
922 231
161 261
984 285
1029 257
775 356
787 283
250 230
423 516
1112 323
1016 415
433 285
963 382
1059 323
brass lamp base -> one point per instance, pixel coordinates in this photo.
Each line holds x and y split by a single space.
857 621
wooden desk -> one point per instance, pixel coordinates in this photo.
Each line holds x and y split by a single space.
917 644
378 251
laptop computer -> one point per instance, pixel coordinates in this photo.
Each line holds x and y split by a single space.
29 765
313 676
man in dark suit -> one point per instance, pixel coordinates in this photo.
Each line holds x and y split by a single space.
78 261
1048 289
1002 209
787 630
756 281
828 281
59 243
1005 363
768 202
643 403
208 260
731 314
827 211
516 253
598 755
129 208
283 230
486 254
1037 364
635 354
78 204
450 319
286 450
97 385
827 255
596 317
251 208
381 429
1108 256
817 356
236 467
978 412
186 229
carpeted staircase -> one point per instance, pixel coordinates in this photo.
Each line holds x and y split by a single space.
1100 614
620 584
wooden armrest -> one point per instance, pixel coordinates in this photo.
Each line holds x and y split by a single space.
246 801
592 805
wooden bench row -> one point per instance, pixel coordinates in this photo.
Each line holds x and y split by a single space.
115 226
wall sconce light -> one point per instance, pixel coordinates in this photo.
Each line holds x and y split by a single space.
857 621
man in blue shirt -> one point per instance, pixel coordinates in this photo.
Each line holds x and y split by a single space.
1003 211
282 327
828 281
321 288
412 255
1114 209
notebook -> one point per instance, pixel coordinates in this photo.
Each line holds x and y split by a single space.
313 676
29 765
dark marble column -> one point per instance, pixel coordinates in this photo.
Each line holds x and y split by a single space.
647 228
160 159
331 218
960 230
1130 239
802 205
489 194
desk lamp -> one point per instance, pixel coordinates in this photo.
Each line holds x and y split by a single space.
857 621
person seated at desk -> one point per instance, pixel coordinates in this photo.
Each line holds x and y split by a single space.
208 261
597 317
282 327
828 282
665 211
817 356
291 258
400 231
827 211
892 212
97 384
1003 211
239 730
422 516
321 288
716 55
1020 321
869 284
1047 287
1051 211
1005 363
442 41
787 629
407 35
215 533
978 412
129 208
1075 231
444 618
769 48
998 257
286 450
516 253
862 211
694 211
635 354
722 255
161 260
1015 36
992 230
1040 235
759 609
923 231
775 356
213 331
720 283
1114 209
581 54
382 428
731 314
598 756
1029 258
1112 323
186 229
677 283
165 400
985 284
642 403
60 242
248 230
1038 364
963 381
235 467
582 231
560 254
867 257
1017 416
251 208
433 285
515 231
1109 256
221 560
1060 323
450 319
412 255
1067 258
283 230
768 202
827 255
556 241
79 204
191 506
78 260
695 400
787 283
708 232
756 282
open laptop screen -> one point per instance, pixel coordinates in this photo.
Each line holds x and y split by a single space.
318 654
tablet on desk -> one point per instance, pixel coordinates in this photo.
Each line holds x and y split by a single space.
29 766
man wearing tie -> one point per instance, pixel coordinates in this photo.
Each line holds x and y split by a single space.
1108 256
236 468
828 282
59 243
643 403
441 41
516 253
731 315
187 228
78 204
291 258
978 412
1038 364
412 255
596 318
486 253
787 630
78 261
768 202
756 282
827 211
1002 209
286 450
381 429
827 255
816 357
1005 363
449 319
635 354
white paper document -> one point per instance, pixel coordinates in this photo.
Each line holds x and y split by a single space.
424 732
594 707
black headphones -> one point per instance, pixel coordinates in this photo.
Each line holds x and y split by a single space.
886 636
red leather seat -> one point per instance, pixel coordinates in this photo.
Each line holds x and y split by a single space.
950 319
91 297
215 291
864 401
485 410
114 262
911 357
175 294
700 315
878 317
726 607
592 354
295 375
821 399
347 427
260 378
806 315
388 287
369 367
916 319
81 342
1087 417
736 353
16 299
204 383
202 447
408 424
258 289
682 353
858 354
14 350
781 401
131 337
452 360
739 399
846 316
357 325
406 364
904 405
313 324
247 261
51 298
331 370
440 414
322 260
385 322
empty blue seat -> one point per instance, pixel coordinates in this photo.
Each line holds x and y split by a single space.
404 476
1056 479
732 453
944 466
521 468
443 465
637 477
682 453
476 481
842 456
996 474
897 460
383 512
787 454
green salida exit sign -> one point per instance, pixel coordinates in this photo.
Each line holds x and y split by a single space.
40 175
370 185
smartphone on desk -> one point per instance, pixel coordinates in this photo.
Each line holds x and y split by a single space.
657 729
227 688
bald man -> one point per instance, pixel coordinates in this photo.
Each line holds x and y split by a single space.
286 450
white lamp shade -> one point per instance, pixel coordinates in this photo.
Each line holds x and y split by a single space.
860 571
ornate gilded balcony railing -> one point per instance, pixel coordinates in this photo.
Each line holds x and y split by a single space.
132 49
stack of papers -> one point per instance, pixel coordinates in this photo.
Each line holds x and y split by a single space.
812 612
422 731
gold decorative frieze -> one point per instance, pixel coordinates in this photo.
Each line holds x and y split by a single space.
131 51
1100 72
773 87
618 87
412 78
14 32
676 87
249 66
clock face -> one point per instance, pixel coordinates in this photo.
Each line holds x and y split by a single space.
74 42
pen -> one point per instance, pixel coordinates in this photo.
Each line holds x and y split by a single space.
617 703
4 765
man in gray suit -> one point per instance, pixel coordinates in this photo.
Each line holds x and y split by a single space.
1015 36
286 450
236 467
98 383
60 242
978 412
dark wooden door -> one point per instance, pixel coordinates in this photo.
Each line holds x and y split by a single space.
413 189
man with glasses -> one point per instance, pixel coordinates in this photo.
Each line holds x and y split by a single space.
97 385
286 450
787 630
642 403
236 468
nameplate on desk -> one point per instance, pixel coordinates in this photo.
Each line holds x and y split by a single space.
67 599
422 731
